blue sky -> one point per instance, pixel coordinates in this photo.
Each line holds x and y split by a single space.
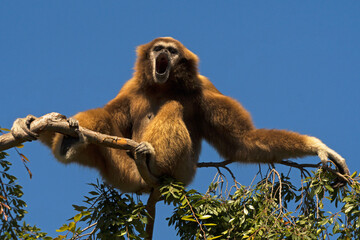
293 64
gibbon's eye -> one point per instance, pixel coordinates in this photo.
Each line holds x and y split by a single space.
172 50
158 48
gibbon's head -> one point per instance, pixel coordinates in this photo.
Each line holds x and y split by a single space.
165 60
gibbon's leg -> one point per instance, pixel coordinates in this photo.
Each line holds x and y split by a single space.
228 127
267 146
172 146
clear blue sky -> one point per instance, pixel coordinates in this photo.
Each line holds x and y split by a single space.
293 64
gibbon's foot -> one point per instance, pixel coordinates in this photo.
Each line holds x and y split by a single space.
144 152
21 128
144 149
339 162
325 154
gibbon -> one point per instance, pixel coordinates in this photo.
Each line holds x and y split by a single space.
169 108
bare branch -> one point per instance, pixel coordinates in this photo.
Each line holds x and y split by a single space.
214 164
150 207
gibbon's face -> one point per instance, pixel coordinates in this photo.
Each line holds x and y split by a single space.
163 56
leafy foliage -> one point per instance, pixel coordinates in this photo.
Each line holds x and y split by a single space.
110 215
12 207
271 209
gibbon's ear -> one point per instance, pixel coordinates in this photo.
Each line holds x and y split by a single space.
190 56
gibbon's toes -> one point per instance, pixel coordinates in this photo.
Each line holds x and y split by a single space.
339 162
144 148
21 129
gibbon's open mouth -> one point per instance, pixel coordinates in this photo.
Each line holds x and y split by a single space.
162 63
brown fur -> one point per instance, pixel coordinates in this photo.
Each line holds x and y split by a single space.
174 117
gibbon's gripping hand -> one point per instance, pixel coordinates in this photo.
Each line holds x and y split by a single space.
21 128
144 153
69 141
144 150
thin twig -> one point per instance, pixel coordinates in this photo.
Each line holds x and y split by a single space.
197 220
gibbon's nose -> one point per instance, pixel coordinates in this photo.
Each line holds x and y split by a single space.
162 63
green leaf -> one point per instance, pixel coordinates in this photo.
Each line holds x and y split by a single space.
63 228
336 228
188 218
328 187
214 237
349 208
72 226
246 212
77 217
79 208
209 224
204 217
317 190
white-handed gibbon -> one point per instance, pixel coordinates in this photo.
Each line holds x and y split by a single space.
168 107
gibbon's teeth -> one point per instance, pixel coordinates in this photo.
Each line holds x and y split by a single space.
162 63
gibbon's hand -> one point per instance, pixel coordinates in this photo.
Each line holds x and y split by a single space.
21 128
73 122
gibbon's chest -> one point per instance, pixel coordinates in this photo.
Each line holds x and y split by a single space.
142 114
148 111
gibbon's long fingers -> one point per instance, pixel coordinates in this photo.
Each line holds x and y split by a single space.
143 154
326 154
73 122
144 148
21 128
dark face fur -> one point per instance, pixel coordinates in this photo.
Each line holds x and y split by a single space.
163 56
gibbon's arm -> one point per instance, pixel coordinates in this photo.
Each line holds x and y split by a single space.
228 127
112 120
72 149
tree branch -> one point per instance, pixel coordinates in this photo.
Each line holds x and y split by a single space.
55 122
341 179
